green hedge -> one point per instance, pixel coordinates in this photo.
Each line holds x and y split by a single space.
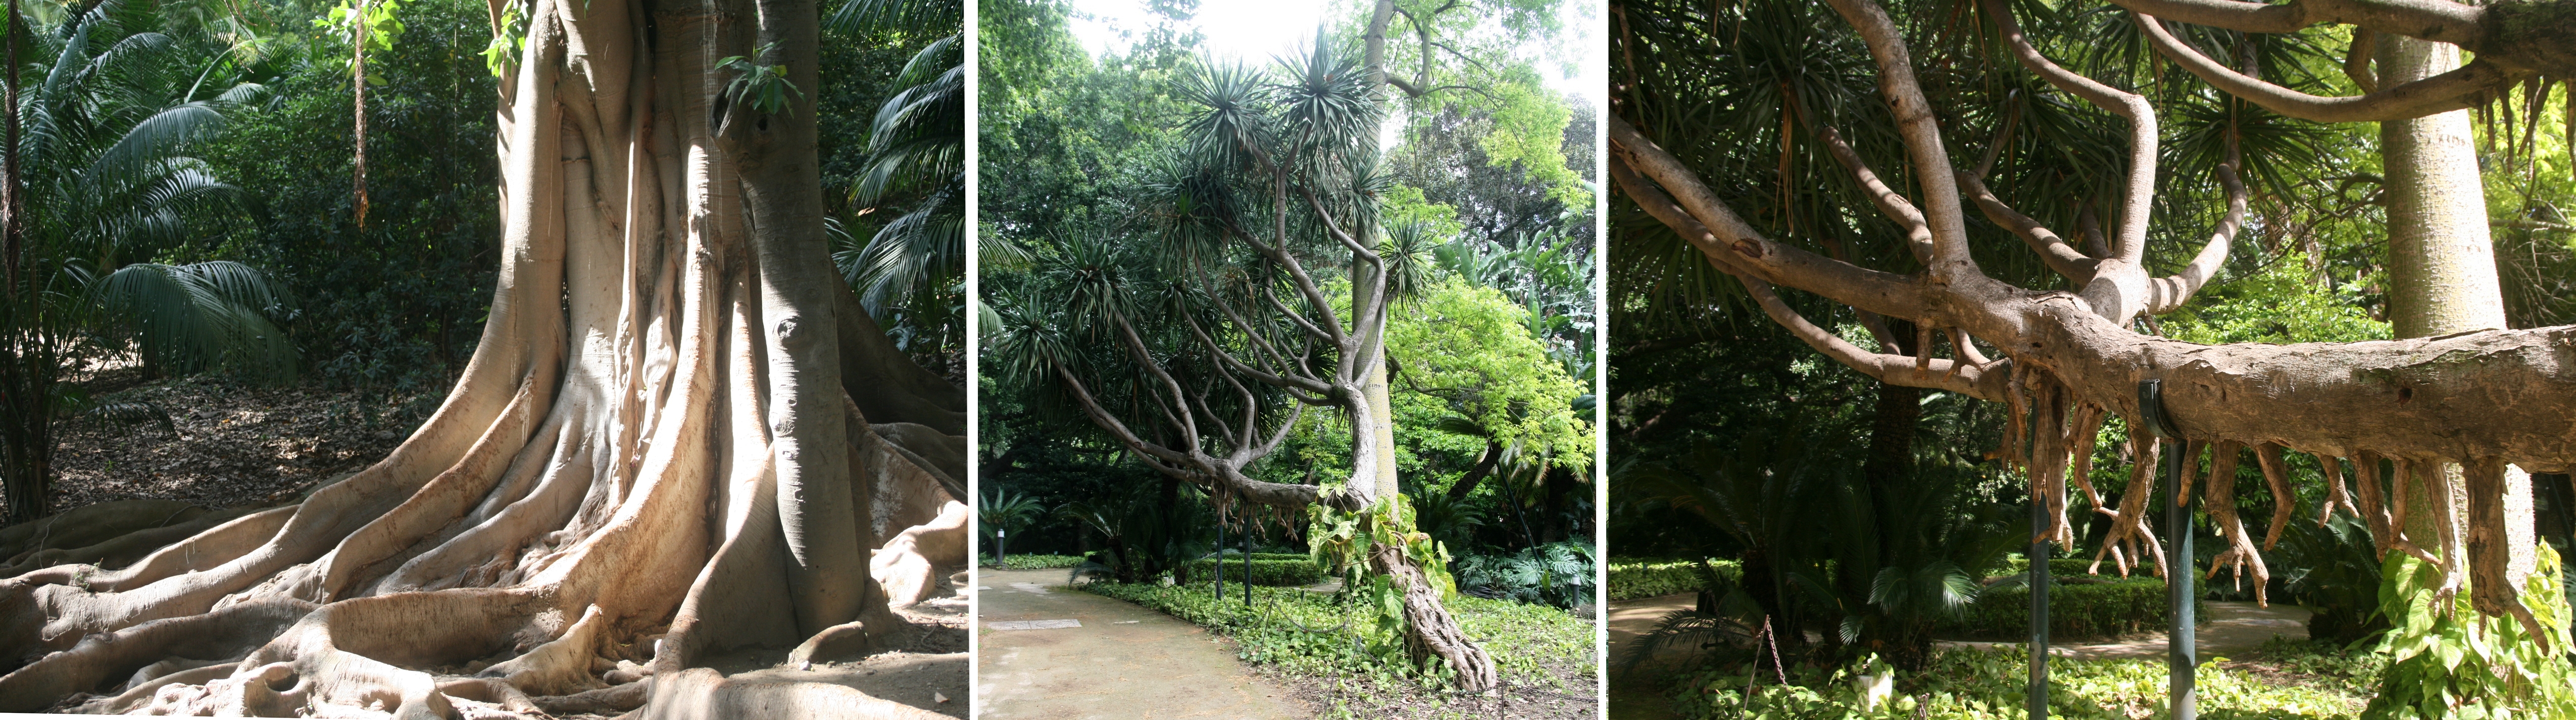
2079 606
1040 562
1276 572
1633 578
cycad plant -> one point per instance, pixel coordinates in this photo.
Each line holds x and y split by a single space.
999 514
1869 564
110 191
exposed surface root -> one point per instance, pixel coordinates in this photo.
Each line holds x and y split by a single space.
910 565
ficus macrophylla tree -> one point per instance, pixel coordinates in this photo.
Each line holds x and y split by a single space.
679 436
1196 338
2066 359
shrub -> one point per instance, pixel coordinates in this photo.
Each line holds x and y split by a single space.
1633 578
2078 606
1558 574
1040 562
1273 572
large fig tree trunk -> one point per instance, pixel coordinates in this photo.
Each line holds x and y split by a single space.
655 452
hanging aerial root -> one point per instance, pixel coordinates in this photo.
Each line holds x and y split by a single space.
2046 464
2129 523
2081 436
228 633
2431 475
2220 499
2276 475
2337 496
2374 505
2493 587
2191 452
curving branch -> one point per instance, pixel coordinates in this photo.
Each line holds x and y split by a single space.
2053 250
2454 90
2168 293
2129 244
1731 243
1918 236
1922 135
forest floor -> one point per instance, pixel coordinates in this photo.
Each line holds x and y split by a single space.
220 444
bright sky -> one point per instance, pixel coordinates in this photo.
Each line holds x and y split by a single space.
1257 30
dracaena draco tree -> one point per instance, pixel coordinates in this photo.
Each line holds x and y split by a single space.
1198 335
2066 359
679 436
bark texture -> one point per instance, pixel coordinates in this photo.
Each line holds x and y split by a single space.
655 453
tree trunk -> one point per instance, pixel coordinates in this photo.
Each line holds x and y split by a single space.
2441 263
654 437
358 117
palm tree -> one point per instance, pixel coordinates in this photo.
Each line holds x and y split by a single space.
916 263
104 156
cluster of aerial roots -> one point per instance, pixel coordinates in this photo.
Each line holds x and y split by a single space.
2051 434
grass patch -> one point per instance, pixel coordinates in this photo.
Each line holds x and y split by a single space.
2283 680
1544 654
1039 562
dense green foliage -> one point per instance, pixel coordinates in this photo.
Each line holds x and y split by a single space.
1640 578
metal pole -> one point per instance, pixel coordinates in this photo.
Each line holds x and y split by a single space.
1001 548
2181 654
2038 555
1220 557
2180 651
1247 567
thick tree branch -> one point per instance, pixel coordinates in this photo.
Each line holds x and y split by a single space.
1922 135
2448 91
2168 293
2054 251
2129 244
1734 245
1918 236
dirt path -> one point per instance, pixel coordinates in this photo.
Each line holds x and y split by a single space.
2231 628
1639 694
1122 661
